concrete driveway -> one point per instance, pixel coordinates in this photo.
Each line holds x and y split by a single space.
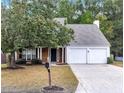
98 78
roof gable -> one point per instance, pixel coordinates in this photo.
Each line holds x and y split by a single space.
87 35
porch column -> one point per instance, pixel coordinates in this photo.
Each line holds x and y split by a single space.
31 53
26 54
65 54
57 58
38 53
48 58
62 55
15 55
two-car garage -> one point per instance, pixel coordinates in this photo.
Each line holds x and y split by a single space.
89 45
87 55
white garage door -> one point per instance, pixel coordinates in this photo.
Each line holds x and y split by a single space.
97 55
76 55
84 55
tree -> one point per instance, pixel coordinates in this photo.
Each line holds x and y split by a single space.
117 41
87 18
29 25
8 32
105 25
66 9
113 9
109 12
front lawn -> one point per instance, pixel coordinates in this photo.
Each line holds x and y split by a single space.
118 63
3 66
33 78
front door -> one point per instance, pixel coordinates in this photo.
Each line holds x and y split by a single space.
53 55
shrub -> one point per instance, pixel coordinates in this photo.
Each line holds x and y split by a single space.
36 61
20 61
110 60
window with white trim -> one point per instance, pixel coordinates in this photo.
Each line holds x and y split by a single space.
29 54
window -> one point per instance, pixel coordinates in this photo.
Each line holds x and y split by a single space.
29 54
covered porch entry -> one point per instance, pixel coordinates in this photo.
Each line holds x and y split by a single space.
53 55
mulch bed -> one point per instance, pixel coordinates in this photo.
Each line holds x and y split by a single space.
52 89
14 67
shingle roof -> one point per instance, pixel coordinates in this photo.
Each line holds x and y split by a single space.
87 35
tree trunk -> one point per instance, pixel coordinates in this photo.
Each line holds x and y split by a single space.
12 60
11 63
8 59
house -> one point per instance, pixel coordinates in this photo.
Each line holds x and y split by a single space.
3 58
89 46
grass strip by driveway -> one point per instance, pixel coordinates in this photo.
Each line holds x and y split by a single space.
118 63
32 78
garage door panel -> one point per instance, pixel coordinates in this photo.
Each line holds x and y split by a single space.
97 56
90 55
77 55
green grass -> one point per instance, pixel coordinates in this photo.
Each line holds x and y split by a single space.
3 65
35 77
118 63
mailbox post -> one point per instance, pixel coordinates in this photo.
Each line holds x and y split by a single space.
51 88
49 73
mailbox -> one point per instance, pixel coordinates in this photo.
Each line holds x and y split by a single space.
47 66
